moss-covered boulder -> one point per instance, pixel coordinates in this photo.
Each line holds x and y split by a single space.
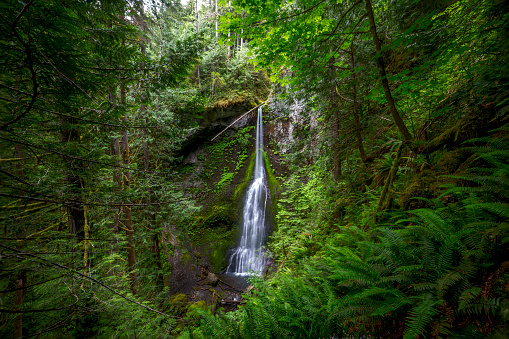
211 279
450 161
214 233
192 311
423 185
178 303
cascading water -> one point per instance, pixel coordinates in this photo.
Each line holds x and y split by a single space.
248 256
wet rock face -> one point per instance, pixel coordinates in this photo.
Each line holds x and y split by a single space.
287 117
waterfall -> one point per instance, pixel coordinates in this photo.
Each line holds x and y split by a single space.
248 256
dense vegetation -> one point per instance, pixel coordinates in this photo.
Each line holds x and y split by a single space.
390 197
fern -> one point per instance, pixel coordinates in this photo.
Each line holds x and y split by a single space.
421 316
498 209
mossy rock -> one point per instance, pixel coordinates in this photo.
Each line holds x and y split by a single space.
211 279
194 333
215 241
186 256
197 255
181 325
472 124
217 216
218 245
423 185
451 161
241 188
274 186
192 311
179 298
178 302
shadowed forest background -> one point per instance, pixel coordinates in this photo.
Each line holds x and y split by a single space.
386 152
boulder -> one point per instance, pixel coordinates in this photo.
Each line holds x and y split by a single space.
211 279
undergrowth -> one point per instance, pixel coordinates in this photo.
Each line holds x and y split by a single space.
428 272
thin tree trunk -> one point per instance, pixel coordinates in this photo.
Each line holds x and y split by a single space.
389 180
336 162
360 144
197 44
242 36
217 22
117 175
385 83
22 277
76 212
155 248
117 181
128 219
21 282
229 34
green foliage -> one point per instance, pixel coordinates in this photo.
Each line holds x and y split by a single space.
226 178
414 273
230 80
294 309
234 148
76 77
76 201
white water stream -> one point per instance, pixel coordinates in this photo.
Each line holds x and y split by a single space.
248 257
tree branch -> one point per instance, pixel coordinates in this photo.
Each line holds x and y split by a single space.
293 15
25 8
30 67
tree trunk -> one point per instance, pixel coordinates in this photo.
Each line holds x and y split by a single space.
18 302
128 219
117 181
389 181
117 175
76 212
21 277
242 35
229 34
155 248
217 22
360 144
197 44
336 161
385 83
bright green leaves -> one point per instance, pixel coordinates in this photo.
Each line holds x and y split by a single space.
283 35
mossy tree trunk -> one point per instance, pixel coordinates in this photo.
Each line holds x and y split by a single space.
389 181
356 119
407 137
336 156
